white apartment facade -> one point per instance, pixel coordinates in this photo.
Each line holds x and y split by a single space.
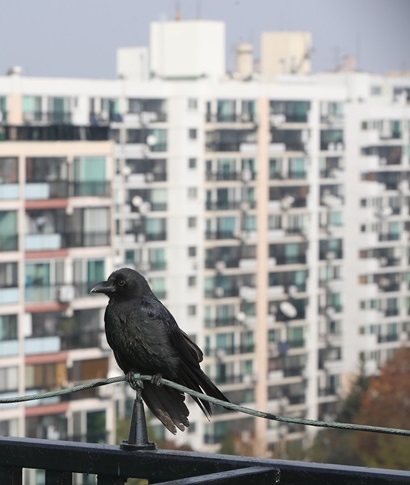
270 216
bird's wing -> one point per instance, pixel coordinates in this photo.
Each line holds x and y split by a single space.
188 350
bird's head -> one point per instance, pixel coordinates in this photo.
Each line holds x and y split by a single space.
122 283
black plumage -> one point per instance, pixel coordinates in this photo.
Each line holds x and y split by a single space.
145 338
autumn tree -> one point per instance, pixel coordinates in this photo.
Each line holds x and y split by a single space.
387 403
382 400
339 445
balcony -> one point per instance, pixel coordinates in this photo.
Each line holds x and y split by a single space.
389 337
220 234
9 295
220 292
230 350
9 191
230 117
63 189
55 241
228 205
47 117
57 132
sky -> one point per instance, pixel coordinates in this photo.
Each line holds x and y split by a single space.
79 38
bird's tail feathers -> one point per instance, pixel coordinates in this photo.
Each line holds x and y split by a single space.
197 380
167 405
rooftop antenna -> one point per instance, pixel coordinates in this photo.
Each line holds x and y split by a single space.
178 14
358 49
198 9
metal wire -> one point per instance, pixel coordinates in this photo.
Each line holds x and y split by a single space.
235 407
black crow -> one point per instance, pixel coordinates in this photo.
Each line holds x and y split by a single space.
146 339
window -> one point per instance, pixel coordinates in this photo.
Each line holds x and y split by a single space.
191 310
8 275
9 178
8 230
192 104
158 287
191 281
192 251
192 162
8 379
8 327
192 133
191 222
192 193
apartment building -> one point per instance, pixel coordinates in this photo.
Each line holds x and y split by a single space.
56 241
270 215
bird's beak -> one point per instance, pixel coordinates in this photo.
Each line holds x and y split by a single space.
105 287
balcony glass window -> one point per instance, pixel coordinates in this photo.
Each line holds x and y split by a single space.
8 283
59 109
157 258
158 286
8 327
331 139
90 177
9 178
95 271
155 228
226 226
226 110
8 379
32 108
8 275
294 111
46 376
8 230
297 168
3 108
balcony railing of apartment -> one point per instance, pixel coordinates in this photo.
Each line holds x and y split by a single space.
52 241
230 117
112 466
49 117
389 337
53 132
230 350
220 322
220 234
229 205
58 189
222 292
215 176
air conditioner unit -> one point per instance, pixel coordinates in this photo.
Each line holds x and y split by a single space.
141 238
66 293
220 353
220 265
149 177
219 291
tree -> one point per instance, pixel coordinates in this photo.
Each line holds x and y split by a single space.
339 446
383 400
387 403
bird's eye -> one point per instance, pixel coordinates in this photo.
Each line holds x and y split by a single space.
121 283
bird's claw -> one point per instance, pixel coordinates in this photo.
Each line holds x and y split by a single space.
134 380
157 379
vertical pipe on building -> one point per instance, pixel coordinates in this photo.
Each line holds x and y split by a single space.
260 447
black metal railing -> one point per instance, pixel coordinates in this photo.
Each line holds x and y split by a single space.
113 465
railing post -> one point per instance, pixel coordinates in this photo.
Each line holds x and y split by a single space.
138 435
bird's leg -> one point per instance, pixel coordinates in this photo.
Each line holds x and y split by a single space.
157 379
135 382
